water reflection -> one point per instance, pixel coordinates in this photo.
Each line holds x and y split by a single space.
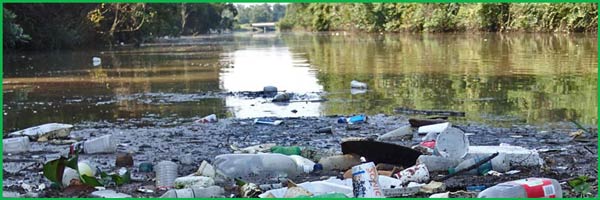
533 78
254 68
494 78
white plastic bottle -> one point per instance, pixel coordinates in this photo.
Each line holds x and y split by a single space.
524 188
266 165
498 163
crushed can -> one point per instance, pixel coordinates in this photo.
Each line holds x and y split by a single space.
418 173
365 181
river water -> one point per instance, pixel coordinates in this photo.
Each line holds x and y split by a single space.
498 79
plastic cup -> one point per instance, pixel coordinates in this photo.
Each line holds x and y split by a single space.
104 144
166 173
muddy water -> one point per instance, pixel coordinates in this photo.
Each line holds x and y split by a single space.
497 79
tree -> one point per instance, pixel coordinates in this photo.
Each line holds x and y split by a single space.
54 26
12 32
124 19
261 13
278 12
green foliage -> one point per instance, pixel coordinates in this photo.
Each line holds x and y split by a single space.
580 186
441 17
493 16
553 17
53 171
260 13
12 32
438 17
69 26
54 26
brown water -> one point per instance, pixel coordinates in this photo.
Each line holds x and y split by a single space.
500 79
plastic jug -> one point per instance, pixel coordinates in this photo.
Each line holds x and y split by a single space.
524 188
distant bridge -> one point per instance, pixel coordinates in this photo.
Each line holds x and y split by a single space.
264 26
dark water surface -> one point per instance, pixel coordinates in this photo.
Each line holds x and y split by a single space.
495 78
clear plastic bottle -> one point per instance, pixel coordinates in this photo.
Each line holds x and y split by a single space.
267 165
304 164
398 133
524 188
498 163
103 144
14 145
437 163
166 173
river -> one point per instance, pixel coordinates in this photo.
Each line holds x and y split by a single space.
499 79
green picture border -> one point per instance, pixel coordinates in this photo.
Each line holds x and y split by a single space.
274 1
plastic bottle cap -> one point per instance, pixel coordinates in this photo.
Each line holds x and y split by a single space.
363 159
317 167
451 170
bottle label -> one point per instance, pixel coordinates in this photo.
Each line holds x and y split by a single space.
537 187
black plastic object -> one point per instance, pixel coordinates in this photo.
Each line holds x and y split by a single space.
381 152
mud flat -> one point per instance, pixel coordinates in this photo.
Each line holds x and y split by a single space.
181 140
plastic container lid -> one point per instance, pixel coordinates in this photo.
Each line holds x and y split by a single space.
452 143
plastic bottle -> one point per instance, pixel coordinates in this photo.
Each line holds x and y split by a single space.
434 128
166 173
290 150
498 163
357 84
103 144
524 188
357 119
265 165
437 163
398 133
14 145
305 165
208 119
352 120
195 192
339 162
267 121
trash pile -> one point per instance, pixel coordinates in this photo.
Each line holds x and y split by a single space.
366 167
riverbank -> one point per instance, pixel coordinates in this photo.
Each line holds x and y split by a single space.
154 139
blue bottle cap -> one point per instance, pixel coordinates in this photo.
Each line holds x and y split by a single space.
318 167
